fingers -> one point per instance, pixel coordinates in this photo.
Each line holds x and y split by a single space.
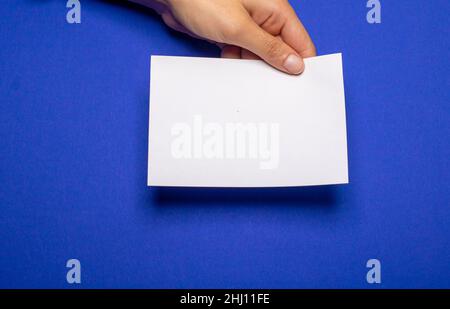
271 49
231 52
294 34
246 54
253 29
170 21
235 52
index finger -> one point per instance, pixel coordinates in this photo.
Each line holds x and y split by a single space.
295 35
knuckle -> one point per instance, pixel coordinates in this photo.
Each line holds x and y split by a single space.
231 31
168 20
277 6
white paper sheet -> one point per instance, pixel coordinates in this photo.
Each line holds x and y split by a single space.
241 123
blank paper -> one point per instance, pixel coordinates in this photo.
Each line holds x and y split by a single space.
241 123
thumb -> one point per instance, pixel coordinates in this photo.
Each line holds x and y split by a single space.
271 49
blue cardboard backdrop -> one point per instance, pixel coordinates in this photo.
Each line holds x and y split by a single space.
73 159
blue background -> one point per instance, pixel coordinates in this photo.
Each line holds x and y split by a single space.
73 159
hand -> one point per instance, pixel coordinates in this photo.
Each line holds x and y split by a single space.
249 29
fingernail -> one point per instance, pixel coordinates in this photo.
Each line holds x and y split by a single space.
294 64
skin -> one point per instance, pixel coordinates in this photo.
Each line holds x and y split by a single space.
247 29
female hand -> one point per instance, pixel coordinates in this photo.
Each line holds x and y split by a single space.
249 29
